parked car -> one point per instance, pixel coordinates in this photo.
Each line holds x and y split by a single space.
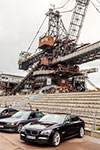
48 89
53 128
7 112
18 120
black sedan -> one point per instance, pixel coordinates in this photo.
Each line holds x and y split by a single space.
18 120
7 112
53 128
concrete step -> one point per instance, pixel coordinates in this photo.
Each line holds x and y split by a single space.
69 99
84 104
62 109
67 102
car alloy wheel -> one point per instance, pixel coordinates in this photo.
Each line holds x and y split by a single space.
56 139
81 132
19 128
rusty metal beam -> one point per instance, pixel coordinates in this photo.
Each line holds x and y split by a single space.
82 55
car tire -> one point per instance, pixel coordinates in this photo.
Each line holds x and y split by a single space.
19 127
81 132
56 139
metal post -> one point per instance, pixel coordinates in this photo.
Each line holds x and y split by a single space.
94 121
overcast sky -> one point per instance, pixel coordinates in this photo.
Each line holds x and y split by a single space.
21 19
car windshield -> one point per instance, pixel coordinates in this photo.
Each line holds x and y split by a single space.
53 118
22 114
1 109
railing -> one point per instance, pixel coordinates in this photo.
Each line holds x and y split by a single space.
28 101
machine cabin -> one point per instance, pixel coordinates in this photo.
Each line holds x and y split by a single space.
46 42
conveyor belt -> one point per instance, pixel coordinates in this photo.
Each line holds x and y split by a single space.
82 55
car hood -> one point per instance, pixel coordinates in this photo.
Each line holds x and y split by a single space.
11 119
40 126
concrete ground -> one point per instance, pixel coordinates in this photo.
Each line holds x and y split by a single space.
11 141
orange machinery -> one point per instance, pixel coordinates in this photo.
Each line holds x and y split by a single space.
45 42
44 61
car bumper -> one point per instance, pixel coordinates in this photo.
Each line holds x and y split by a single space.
8 127
36 139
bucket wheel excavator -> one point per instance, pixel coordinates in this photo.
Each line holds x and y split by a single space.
58 58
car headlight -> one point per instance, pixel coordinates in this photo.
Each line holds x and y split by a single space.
11 123
23 129
46 132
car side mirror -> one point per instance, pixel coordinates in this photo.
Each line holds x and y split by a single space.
66 122
30 118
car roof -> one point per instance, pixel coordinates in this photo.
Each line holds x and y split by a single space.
11 108
34 111
67 114
29 111
61 113
6 108
25 111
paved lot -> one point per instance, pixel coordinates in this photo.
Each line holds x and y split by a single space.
11 141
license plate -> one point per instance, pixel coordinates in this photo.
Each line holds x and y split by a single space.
1 126
31 137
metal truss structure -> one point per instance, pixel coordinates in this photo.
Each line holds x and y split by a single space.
77 19
57 30
64 55
56 27
82 55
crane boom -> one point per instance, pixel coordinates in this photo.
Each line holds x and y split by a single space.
77 19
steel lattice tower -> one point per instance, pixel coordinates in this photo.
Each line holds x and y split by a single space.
56 27
77 19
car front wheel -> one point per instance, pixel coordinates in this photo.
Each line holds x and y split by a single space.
81 132
19 128
56 139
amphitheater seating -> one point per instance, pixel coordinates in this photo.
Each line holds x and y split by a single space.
84 104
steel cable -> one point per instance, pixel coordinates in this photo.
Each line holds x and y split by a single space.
36 34
63 5
95 7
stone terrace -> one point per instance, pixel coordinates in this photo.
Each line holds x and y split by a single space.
84 104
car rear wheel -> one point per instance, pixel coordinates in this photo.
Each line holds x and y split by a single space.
81 132
19 127
56 139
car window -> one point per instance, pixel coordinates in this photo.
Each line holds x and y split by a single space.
67 118
35 115
5 112
12 112
22 114
75 118
32 115
38 115
53 118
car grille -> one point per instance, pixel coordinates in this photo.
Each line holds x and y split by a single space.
30 132
34 133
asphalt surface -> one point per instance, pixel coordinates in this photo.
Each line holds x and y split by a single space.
11 141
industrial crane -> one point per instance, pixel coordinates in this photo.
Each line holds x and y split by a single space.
56 32
59 56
